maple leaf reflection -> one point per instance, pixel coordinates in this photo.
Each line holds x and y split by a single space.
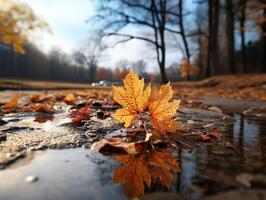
144 170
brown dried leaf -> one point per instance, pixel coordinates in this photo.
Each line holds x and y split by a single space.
113 146
81 114
43 108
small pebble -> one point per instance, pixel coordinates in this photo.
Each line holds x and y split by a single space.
215 109
31 179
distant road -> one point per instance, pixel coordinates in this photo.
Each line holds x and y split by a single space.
15 84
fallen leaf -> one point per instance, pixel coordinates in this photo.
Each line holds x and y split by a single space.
38 98
43 108
69 99
35 98
245 179
211 134
162 110
43 119
115 145
205 137
229 144
81 114
13 103
214 133
132 97
215 109
167 125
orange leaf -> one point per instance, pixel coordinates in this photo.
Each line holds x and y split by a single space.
13 103
69 99
162 110
132 97
166 125
81 114
43 108
214 134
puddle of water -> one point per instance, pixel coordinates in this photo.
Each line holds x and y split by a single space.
83 174
62 174
210 169
50 122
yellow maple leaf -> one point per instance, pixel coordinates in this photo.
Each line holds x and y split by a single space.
133 97
162 110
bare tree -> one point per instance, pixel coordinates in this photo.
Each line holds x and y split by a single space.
182 32
242 25
154 18
230 40
213 27
263 27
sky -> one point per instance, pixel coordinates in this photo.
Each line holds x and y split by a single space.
67 20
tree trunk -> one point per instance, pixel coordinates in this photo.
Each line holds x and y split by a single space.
208 67
230 41
215 61
163 74
162 38
183 33
242 31
158 20
264 42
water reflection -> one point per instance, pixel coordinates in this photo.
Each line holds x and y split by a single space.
146 170
188 170
213 168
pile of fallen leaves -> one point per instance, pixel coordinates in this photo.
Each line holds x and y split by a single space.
240 86
57 101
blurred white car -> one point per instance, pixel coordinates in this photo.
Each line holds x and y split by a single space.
106 83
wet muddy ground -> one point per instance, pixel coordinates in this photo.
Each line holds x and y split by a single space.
47 157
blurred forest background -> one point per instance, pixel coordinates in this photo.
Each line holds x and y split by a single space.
214 37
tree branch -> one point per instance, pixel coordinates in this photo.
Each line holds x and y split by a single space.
129 37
